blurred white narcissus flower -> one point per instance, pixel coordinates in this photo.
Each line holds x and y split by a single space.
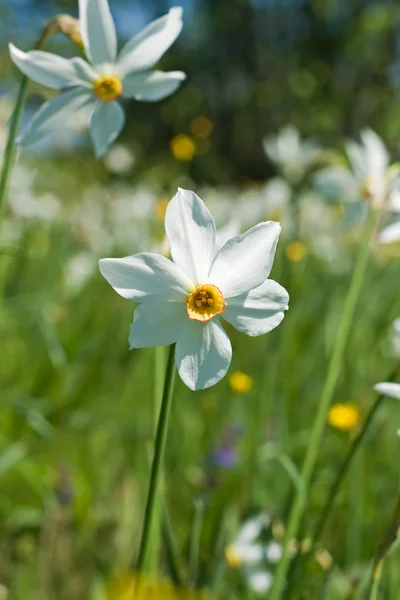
371 176
251 553
390 234
376 178
260 581
246 549
292 155
392 390
119 159
182 301
395 336
106 76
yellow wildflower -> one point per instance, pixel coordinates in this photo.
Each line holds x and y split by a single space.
183 147
240 382
296 251
161 208
344 416
130 586
201 126
233 557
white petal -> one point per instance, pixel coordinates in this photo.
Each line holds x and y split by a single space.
146 48
376 155
152 86
260 581
53 114
394 197
258 311
274 552
85 72
146 276
357 156
107 121
250 553
98 31
157 324
246 260
43 67
252 528
203 354
388 389
390 234
190 229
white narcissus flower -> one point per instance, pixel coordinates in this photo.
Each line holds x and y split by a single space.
392 390
293 155
106 77
182 301
371 176
377 180
388 389
390 234
395 337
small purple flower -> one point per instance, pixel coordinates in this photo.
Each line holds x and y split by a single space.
225 457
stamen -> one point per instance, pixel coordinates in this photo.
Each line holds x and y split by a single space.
205 303
108 88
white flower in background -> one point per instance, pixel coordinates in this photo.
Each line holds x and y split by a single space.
182 301
390 234
107 76
252 554
290 153
377 180
246 549
79 269
260 581
371 177
228 231
277 195
392 390
119 159
395 337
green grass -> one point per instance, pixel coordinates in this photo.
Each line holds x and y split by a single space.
77 418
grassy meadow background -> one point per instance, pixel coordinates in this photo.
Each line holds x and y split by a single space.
77 409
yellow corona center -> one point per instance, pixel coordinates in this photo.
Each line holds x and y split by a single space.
108 88
344 416
205 303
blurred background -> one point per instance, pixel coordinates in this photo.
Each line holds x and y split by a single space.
274 89
329 67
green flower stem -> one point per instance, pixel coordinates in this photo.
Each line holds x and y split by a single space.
10 151
326 398
341 474
302 561
156 468
389 541
159 372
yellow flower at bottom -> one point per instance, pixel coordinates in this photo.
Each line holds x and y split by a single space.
344 416
240 382
130 586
